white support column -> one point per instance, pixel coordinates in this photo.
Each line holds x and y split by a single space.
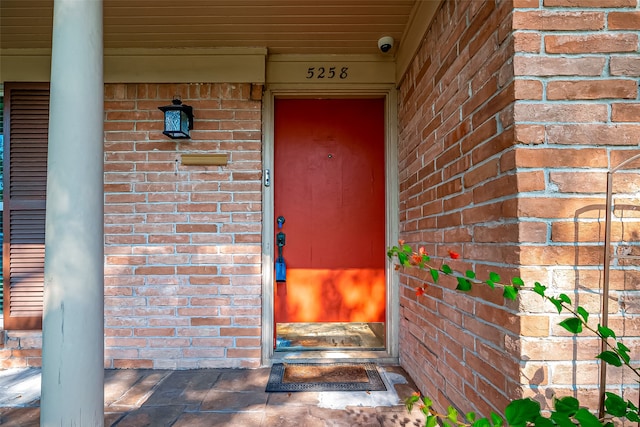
73 325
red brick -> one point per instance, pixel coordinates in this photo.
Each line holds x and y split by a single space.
491 212
533 232
117 188
155 270
527 42
125 260
550 20
203 354
196 228
589 3
529 134
525 3
579 182
119 167
132 364
625 112
549 207
13 363
528 89
112 332
625 66
583 373
487 332
119 126
481 173
620 156
457 202
34 362
126 114
561 158
453 219
26 353
210 321
624 20
244 352
592 89
584 231
493 146
530 181
208 280
560 349
237 332
534 326
560 255
497 103
480 96
449 188
194 270
558 66
172 238
124 136
561 112
486 369
502 186
211 302
491 394
199 312
593 134
496 234
592 43
112 342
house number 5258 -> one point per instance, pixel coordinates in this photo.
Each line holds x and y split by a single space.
327 72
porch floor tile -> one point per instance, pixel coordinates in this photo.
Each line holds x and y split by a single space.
217 397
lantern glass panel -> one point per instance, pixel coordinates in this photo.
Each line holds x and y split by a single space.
184 123
172 120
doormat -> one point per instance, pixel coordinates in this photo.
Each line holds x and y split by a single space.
291 377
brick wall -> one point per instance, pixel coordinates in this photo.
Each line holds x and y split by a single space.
20 349
577 115
182 243
458 193
510 115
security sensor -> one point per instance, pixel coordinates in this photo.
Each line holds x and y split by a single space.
385 44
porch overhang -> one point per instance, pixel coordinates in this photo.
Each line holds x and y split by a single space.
217 41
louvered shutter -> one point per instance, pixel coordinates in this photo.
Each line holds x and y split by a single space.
25 179
1 166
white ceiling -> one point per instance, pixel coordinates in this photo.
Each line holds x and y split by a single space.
282 26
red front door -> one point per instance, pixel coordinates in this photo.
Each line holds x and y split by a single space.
329 185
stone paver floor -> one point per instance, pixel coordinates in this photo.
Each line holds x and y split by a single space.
217 397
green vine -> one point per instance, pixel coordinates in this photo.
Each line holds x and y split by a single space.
566 411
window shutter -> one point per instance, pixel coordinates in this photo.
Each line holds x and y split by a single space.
25 175
1 180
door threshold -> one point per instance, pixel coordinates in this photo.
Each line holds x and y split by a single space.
330 336
320 349
334 356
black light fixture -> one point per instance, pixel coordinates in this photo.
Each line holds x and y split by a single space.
178 119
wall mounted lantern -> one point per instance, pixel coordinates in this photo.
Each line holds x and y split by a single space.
178 119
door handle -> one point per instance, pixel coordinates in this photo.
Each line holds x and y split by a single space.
281 240
281 268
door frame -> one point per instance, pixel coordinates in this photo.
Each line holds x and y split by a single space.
392 320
